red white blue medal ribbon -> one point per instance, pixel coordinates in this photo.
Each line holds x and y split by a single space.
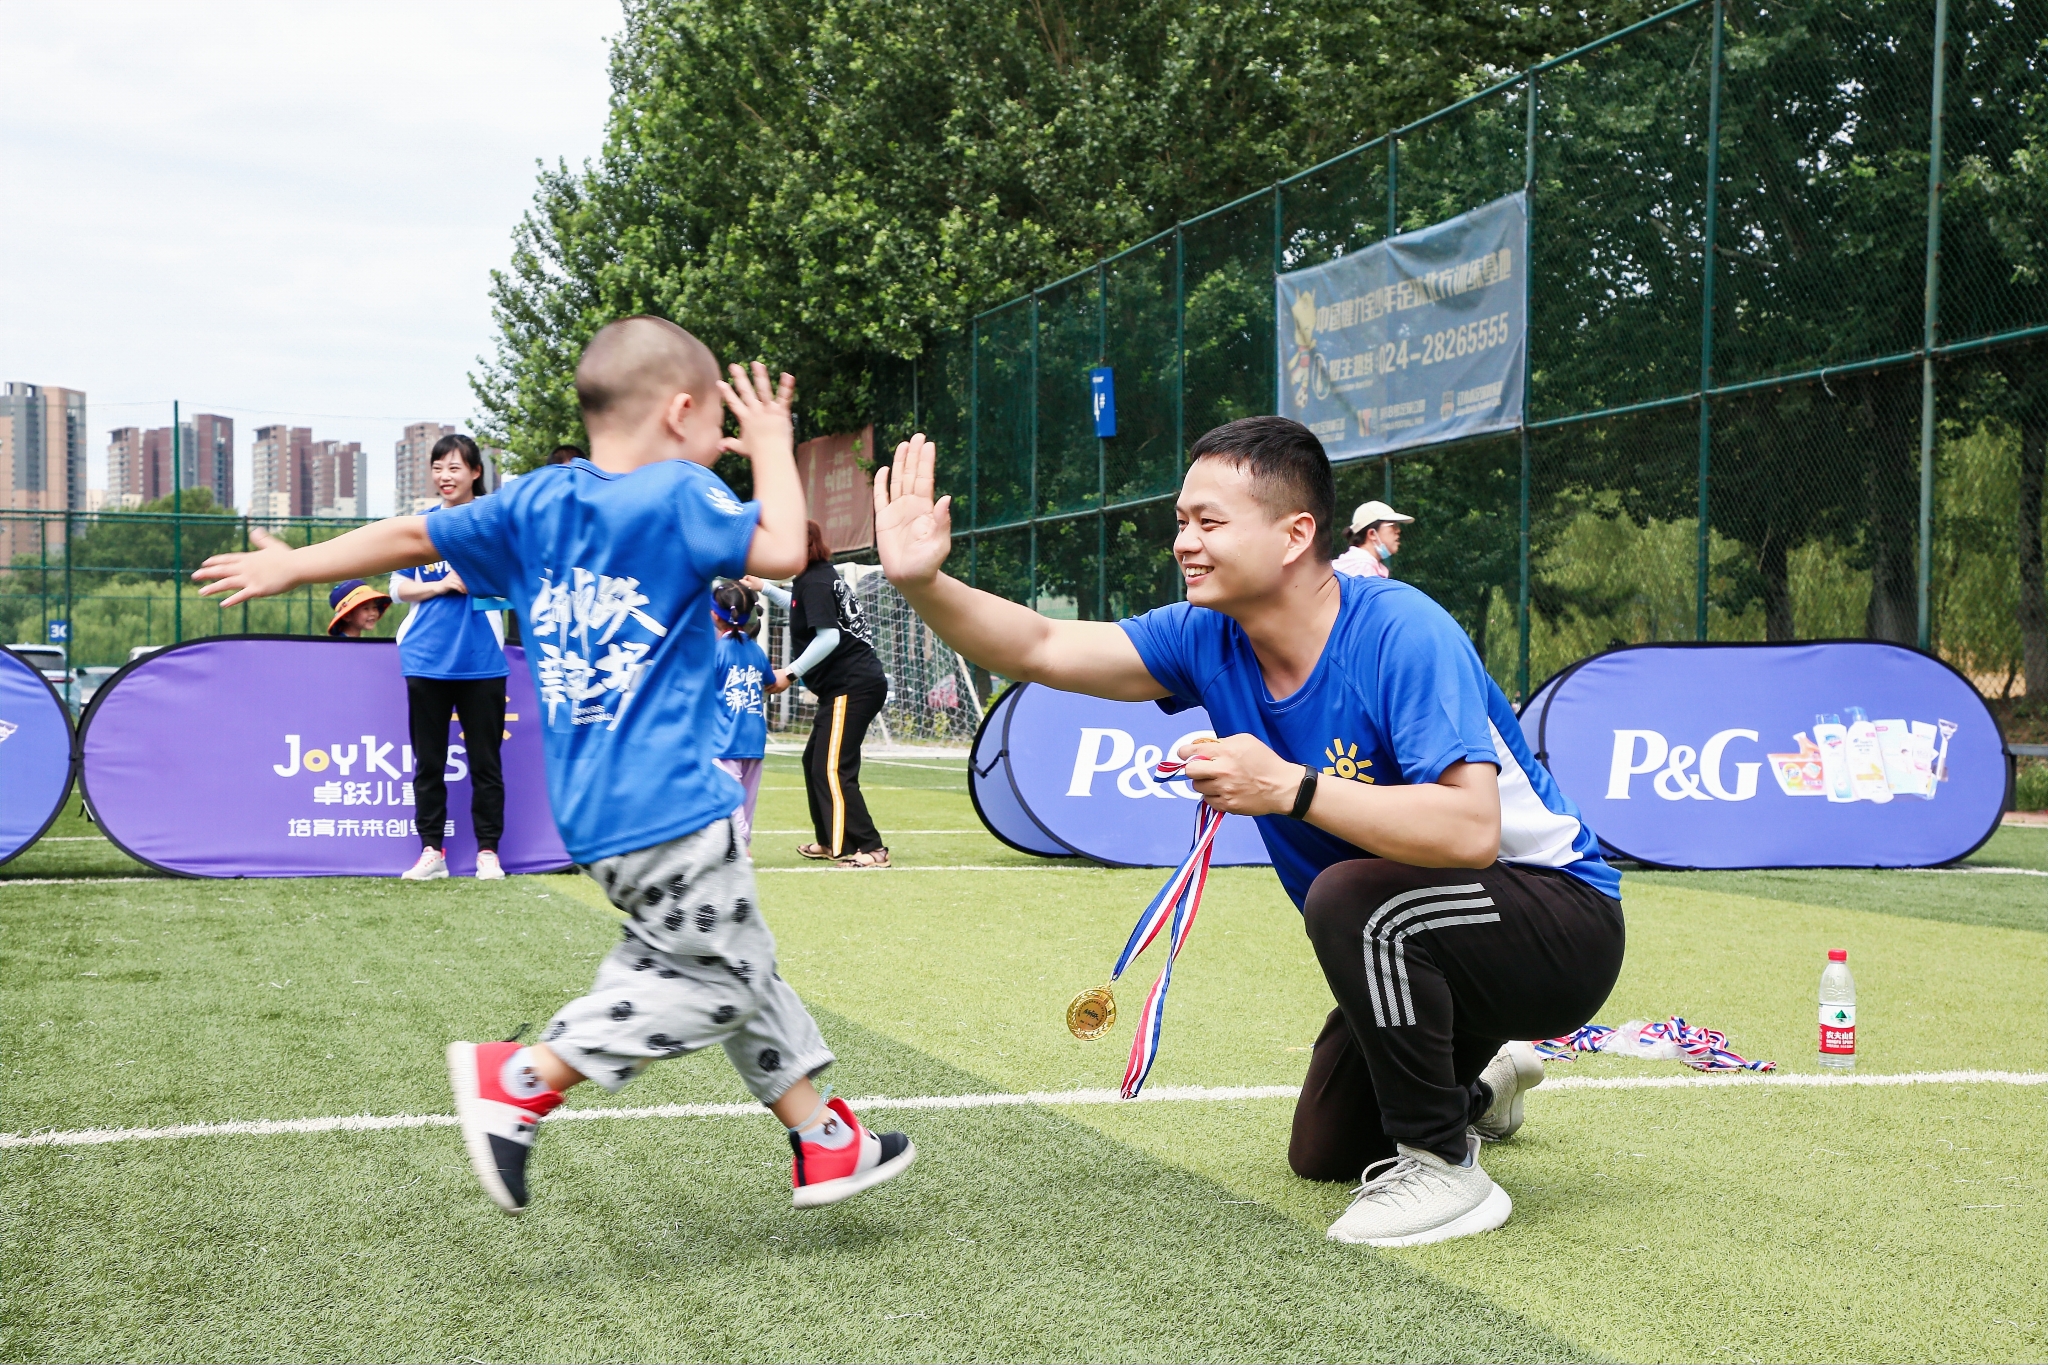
1176 904
1702 1049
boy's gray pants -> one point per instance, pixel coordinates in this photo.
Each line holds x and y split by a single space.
696 967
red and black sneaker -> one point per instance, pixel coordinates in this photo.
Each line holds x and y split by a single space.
823 1175
497 1129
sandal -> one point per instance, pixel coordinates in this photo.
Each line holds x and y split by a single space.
861 862
815 852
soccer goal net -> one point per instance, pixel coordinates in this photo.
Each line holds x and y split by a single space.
932 697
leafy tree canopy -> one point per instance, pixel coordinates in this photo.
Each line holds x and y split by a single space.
826 185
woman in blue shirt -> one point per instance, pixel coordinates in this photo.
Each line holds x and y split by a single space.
454 660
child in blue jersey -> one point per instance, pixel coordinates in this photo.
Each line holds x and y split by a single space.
453 658
1455 898
610 562
745 682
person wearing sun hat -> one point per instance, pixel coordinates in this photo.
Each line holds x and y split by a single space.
357 608
1374 534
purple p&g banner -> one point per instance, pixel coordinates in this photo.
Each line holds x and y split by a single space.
253 756
35 754
1845 753
1059 774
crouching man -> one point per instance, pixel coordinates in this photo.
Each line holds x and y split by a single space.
1454 896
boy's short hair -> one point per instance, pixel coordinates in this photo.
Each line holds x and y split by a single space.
639 361
565 454
1288 468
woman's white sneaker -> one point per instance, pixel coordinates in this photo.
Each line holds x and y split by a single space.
1418 1198
1514 1071
488 868
432 866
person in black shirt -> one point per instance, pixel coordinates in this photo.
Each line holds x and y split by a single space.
835 660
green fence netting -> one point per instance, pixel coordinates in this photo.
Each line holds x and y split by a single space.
1788 350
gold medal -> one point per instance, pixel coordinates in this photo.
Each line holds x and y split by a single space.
1091 1013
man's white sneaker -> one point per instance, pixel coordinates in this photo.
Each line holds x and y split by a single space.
1419 1198
1514 1071
432 866
489 869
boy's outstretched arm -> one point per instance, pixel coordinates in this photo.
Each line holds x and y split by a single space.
913 535
768 438
274 567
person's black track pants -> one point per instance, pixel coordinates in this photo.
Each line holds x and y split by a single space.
1433 969
480 704
839 813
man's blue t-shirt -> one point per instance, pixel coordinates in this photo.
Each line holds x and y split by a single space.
445 636
1398 696
742 667
611 575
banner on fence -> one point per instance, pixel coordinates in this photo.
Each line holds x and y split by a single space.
274 757
1838 754
1413 340
35 754
1062 775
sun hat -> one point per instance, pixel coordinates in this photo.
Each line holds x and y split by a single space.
346 597
1370 512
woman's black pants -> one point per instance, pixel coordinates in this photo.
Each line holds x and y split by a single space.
480 703
839 814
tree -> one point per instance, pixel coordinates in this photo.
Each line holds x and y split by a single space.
831 187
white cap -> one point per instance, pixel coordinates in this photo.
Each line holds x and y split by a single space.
1370 512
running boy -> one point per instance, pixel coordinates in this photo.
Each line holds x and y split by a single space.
611 561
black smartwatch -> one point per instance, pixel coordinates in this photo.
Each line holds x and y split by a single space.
1306 796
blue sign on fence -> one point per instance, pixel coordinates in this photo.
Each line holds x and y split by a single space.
1102 388
1846 753
59 632
1416 339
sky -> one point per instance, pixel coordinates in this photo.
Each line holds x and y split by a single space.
279 213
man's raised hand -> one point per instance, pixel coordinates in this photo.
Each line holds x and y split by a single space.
262 572
762 411
913 534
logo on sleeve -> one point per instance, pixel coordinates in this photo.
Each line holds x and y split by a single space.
723 500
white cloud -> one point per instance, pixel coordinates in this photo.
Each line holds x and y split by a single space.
280 213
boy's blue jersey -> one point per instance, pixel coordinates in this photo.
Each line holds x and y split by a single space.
446 637
742 667
1398 696
611 575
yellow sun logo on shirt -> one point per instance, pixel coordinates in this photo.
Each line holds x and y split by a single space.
1345 762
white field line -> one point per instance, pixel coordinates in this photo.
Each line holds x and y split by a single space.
953 867
1994 871
6 882
1164 1094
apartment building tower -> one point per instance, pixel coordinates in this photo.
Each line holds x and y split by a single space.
139 461
340 476
281 472
42 462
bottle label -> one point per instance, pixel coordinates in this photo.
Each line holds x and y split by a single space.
1838 1030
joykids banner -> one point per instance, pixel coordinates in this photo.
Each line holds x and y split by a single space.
255 756
1848 753
1062 775
35 754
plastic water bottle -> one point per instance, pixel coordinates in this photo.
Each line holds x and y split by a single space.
1838 1013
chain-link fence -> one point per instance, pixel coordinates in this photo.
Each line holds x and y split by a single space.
1788 350
102 586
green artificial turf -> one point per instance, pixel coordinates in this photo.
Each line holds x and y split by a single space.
1700 1223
